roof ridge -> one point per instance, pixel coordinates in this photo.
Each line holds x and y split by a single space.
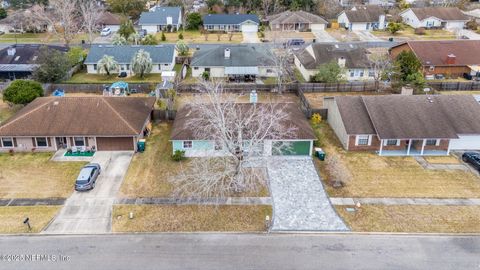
118 114
28 113
369 116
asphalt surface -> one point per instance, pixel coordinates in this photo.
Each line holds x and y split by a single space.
241 251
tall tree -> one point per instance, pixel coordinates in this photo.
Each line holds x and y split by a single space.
380 66
131 8
107 64
91 16
126 29
119 40
54 65
407 70
141 63
22 91
194 21
329 73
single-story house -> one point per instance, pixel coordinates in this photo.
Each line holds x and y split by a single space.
352 58
160 18
231 22
406 125
370 17
52 123
451 58
301 144
110 20
233 61
20 60
296 21
450 18
163 56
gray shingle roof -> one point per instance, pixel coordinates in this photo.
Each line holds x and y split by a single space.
240 56
229 18
362 14
159 16
123 54
443 13
355 57
299 16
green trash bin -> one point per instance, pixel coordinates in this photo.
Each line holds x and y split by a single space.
320 153
141 145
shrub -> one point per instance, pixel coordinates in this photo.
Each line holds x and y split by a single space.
22 92
420 31
164 38
472 25
180 36
169 28
206 75
179 155
316 119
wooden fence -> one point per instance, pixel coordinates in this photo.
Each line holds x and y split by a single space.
94 88
337 87
455 86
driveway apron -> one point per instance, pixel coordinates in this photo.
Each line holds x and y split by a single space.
91 211
299 200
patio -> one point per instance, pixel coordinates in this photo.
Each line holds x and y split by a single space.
61 155
413 152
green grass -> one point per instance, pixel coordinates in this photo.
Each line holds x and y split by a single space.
42 38
270 80
83 77
298 76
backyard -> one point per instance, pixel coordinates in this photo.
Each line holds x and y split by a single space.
315 99
197 37
187 98
84 77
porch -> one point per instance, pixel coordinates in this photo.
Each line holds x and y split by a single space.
414 147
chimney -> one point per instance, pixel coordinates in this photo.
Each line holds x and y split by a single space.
407 90
451 59
11 51
341 61
169 20
227 53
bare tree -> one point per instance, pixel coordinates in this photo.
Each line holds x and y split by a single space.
279 55
266 4
380 64
62 16
219 35
240 132
91 15
328 8
338 172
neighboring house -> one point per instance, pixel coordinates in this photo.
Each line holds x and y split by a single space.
449 18
360 18
352 58
159 19
296 21
102 123
19 61
183 137
406 125
163 56
235 62
231 22
110 20
451 58
473 14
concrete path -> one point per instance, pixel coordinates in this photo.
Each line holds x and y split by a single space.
31 202
250 37
430 166
323 36
91 211
405 201
205 201
299 200
366 36
468 34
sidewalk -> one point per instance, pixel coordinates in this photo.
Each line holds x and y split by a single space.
31 202
202 201
405 201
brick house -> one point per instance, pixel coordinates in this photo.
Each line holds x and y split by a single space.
402 125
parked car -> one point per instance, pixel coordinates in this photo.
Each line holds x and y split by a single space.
106 31
122 74
294 42
439 77
88 177
473 158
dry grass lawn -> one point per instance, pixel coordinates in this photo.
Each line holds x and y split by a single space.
12 217
415 219
187 98
287 35
375 176
197 37
316 99
33 175
188 218
443 160
460 92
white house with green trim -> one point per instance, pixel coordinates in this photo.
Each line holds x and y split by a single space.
301 144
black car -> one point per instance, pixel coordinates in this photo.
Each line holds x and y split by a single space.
88 177
473 158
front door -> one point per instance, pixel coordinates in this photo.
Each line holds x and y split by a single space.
61 142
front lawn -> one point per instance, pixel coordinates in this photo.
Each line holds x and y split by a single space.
83 77
33 175
197 37
409 32
12 217
376 176
413 219
189 218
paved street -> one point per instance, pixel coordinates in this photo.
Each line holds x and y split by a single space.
91 211
246 251
299 200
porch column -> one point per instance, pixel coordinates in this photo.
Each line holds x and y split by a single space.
54 141
448 149
423 146
381 147
409 146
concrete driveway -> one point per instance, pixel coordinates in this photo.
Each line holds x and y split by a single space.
366 36
250 37
323 36
299 200
91 211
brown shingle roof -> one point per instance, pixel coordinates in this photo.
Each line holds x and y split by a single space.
109 18
296 17
443 13
354 115
370 13
355 57
182 131
435 52
415 117
69 116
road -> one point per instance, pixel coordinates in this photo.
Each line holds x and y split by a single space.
245 251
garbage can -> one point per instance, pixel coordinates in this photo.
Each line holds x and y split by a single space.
320 153
141 145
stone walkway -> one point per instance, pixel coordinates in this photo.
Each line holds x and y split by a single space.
299 200
405 201
205 201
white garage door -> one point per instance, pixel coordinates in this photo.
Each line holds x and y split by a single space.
249 28
318 26
465 143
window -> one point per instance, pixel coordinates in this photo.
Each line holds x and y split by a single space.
431 68
128 66
41 142
361 73
207 69
159 66
352 73
195 68
166 65
210 27
431 142
218 146
392 142
363 140
187 144
269 70
94 66
79 141
371 73
7 142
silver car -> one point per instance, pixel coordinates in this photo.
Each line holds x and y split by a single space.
88 177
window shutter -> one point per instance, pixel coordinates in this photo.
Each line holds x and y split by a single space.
15 142
49 143
86 141
34 143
